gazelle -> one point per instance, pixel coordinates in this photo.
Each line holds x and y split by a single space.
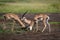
44 18
14 17
30 23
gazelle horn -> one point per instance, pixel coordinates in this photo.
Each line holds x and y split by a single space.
24 13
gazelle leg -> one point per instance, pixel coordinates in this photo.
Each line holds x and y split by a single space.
30 28
4 24
36 25
34 28
45 25
31 25
49 26
13 26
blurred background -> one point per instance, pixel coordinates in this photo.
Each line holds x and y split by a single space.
34 6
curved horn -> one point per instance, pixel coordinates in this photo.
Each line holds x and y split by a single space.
24 14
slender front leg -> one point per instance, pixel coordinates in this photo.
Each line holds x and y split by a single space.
30 28
31 25
13 26
4 24
45 25
49 26
36 25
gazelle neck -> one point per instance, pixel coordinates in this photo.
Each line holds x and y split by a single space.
20 22
27 21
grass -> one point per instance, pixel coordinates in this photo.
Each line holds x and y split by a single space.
17 30
30 1
54 22
32 7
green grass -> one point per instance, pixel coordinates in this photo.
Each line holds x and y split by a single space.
47 1
17 30
33 7
54 22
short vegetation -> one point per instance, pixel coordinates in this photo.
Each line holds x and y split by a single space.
34 6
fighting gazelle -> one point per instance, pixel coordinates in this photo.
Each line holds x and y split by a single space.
44 18
13 17
30 23
37 18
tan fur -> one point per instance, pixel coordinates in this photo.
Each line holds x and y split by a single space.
14 17
44 18
29 22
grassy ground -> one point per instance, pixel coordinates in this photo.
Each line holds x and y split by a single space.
33 6
54 22
17 27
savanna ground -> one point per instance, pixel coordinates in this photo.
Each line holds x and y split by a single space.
20 34
49 7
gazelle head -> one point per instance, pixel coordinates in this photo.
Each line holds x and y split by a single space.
6 17
24 18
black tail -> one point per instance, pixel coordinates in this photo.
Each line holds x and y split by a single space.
24 14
